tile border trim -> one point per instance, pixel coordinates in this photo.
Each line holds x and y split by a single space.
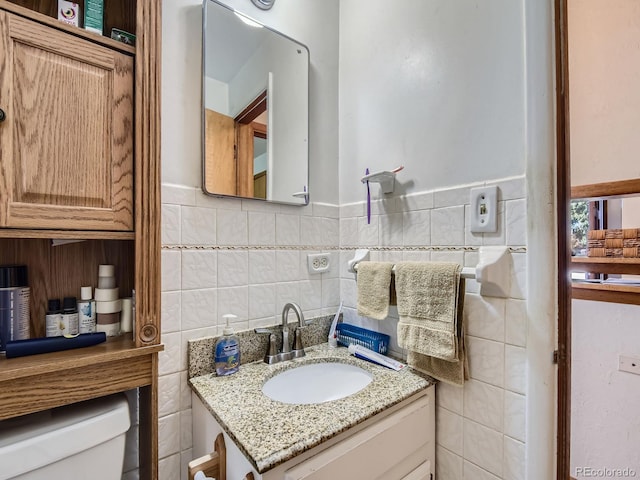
433 248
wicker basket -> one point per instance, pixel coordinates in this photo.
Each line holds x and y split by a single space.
614 243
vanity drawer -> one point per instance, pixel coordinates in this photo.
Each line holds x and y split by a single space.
396 447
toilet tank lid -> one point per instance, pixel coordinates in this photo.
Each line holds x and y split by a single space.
33 441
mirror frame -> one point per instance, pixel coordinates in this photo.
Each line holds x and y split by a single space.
303 195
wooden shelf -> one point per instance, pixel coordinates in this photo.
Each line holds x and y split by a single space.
66 234
607 292
38 382
619 188
77 31
629 266
113 348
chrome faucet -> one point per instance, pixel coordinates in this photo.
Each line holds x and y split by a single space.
286 352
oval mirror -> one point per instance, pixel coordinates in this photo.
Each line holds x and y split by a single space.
255 116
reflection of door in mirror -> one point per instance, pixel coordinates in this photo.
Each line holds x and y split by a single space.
220 176
232 152
251 123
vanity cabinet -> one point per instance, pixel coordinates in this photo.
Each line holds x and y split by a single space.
396 444
66 142
79 187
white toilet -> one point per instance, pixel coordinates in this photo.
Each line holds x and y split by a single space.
84 440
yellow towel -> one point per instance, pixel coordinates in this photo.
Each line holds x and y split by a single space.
374 279
428 308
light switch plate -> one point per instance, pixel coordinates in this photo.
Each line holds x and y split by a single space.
484 209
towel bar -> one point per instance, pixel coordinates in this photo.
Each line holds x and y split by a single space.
467 272
493 271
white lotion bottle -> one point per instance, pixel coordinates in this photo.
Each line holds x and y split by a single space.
86 311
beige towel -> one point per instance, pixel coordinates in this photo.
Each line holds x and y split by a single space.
454 373
428 308
374 279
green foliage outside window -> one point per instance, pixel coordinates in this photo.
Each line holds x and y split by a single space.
579 226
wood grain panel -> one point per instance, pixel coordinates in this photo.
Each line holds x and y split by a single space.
147 187
629 266
38 392
148 427
57 272
245 160
6 137
620 188
563 191
115 348
119 14
46 7
72 162
627 294
65 234
220 163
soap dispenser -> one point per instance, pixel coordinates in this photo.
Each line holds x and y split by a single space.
227 350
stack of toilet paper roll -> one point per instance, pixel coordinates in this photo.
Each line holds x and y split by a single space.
114 313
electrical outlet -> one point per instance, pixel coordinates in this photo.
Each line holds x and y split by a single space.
319 262
628 363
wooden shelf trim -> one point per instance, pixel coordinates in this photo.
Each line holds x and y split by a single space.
628 294
50 363
21 396
77 31
629 266
619 188
66 234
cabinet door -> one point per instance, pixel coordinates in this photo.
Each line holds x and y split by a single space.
66 144
396 447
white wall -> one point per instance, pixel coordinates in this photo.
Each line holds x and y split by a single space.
217 97
440 88
605 425
604 74
435 86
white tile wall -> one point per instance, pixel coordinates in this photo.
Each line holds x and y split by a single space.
252 259
484 447
448 464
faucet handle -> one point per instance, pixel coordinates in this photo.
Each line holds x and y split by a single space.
298 347
272 347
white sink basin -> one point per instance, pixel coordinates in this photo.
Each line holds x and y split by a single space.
316 383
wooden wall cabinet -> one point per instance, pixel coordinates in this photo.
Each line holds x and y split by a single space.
66 143
80 160
615 293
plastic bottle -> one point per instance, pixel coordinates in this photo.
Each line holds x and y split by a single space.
86 311
53 318
69 316
227 350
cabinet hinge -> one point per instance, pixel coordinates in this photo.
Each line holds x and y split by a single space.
556 356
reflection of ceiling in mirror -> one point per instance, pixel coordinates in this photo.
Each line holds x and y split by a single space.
223 63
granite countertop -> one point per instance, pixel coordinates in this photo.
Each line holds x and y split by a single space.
270 432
